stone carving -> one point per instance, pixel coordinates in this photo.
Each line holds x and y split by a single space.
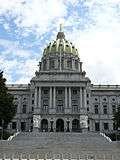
36 120
84 121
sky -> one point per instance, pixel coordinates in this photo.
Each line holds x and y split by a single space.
27 26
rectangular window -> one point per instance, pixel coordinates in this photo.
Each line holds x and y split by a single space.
32 101
52 64
76 64
113 109
14 125
45 91
24 109
97 126
106 127
74 91
96 109
60 91
23 126
104 109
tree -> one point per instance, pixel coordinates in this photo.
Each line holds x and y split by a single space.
116 118
7 107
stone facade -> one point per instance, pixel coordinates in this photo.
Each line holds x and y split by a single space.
60 98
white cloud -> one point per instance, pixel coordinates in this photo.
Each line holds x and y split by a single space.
98 42
39 14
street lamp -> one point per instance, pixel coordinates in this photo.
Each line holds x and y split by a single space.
2 129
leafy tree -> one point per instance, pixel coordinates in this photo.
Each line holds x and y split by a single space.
116 118
7 108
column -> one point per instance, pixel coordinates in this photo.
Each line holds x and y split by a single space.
54 97
39 102
50 100
66 106
69 97
81 97
35 97
85 105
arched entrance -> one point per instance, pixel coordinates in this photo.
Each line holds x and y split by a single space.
59 125
75 125
44 125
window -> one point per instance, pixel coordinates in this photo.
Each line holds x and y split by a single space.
75 106
24 109
87 95
88 109
104 99
32 101
23 126
114 126
113 99
52 64
96 109
14 125
104 109
44 65
97 126
76 64
69 63
113 109
46 91
33 95
87 102
60 107
45 106
106 127
32 109
60 91
74 91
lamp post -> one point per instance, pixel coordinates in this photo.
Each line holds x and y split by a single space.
2 129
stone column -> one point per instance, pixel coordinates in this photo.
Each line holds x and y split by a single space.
69 97
54 97
39 102
35 97
66 106
70 125
85 105
50 100
81 104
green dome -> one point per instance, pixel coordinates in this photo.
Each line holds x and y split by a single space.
60 46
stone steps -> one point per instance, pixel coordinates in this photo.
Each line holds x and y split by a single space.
34 144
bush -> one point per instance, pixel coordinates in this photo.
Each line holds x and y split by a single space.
114 136
6 135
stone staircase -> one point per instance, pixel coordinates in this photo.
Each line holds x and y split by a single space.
60 146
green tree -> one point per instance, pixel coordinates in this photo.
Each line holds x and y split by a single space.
7 108
116 118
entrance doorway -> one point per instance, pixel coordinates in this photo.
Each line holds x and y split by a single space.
75 125
44 125
59 125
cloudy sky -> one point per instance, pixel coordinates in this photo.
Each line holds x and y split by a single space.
26 27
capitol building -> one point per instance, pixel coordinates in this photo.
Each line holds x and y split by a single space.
60 98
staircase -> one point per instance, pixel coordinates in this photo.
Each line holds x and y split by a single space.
60 146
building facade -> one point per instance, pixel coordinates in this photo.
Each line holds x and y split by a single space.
60 98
